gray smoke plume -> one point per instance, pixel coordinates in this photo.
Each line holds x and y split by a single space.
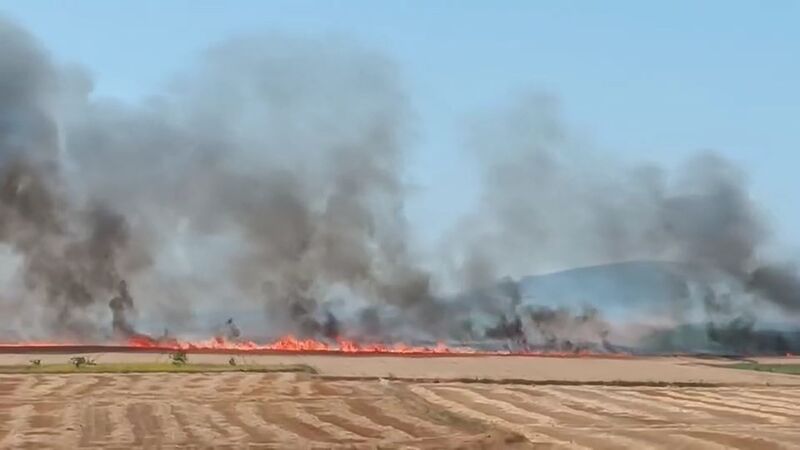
285 154
549 201
561 329
779 283
120 306
70 248
269 175
230 331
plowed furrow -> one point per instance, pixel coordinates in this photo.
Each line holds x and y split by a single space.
323 389
230 431
48 387
285 418
71 423
16 426
249 414
779 397
146 427
246 383
378 412
719 409
276 411
171 430
502 409
789 394
647 407
675 414
194 420
121 427
77 387
478 413
787 410
735 440
786 436
307 414
338 414
14 385
548 406
687 442
605 405
100 383
95 425
45 419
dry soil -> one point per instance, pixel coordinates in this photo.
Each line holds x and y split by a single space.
253 410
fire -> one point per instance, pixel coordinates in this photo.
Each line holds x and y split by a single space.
283 345
292 344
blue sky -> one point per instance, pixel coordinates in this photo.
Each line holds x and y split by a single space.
648 81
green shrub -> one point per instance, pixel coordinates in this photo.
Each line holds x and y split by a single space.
179 358
80 361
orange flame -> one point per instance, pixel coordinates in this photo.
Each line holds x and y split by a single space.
286 344
292 344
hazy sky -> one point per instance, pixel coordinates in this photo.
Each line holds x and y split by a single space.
650 82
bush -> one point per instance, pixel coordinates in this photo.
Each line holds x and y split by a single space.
178 358
80 361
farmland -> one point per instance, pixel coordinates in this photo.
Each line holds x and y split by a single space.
405 403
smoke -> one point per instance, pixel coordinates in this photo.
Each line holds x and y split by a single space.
70 248
120 307
551 201
314 193
779 283
560 329
287 155
269 176
230 331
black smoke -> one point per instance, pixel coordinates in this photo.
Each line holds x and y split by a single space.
270 175
71 249
121 306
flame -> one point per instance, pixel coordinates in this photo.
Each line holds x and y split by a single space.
286 344
292 344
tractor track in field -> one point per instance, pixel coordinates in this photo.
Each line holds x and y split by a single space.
295 410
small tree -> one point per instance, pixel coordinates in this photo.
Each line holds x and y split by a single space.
178 358
36 362
80 361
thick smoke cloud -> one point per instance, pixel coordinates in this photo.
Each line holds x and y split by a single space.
269 176
780 283
286 153
550 201
120 306
71 250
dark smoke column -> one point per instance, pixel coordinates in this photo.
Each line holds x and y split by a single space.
71 245
120 305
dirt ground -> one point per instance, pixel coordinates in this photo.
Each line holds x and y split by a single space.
540 369
252 410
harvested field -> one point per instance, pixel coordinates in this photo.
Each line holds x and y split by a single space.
676 370
301 410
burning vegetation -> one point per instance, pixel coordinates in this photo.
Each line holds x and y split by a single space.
270 177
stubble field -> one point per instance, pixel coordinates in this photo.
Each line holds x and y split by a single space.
384 402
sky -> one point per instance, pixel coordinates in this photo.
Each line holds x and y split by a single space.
643 81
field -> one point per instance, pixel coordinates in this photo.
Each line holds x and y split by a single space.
390 402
